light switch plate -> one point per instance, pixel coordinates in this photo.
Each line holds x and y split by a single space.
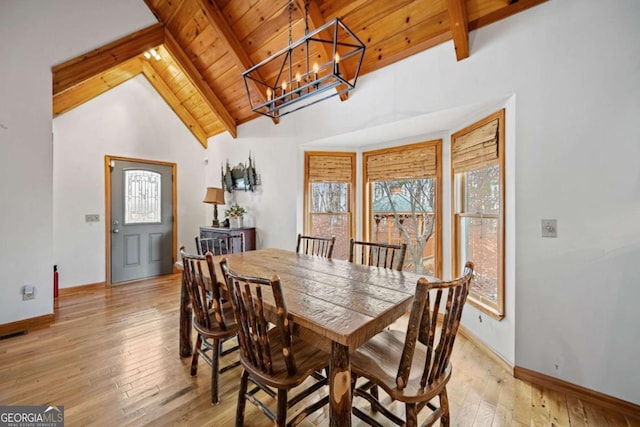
549 228
28 292
92 218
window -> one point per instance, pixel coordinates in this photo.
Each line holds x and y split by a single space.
402 202
142 191
329 200
477 159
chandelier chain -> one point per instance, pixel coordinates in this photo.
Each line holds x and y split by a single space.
306 17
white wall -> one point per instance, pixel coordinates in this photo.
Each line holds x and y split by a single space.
576 90
35 35
573 105
131 120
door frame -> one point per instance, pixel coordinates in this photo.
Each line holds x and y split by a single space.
107 215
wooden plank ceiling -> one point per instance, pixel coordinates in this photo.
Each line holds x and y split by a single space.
205 45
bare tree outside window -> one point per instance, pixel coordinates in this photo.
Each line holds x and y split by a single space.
403 211
330 214
329 197
479 227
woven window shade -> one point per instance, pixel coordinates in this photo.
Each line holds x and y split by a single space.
330 168
411 163
476 149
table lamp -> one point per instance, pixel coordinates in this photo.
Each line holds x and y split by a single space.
215 196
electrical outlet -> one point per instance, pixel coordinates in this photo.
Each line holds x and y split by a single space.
549 228
92 218
28 292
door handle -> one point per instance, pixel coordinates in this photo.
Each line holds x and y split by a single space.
115 231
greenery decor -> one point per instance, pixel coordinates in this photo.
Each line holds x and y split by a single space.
235 211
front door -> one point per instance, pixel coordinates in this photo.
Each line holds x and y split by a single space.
141 220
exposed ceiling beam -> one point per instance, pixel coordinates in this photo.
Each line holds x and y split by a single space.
163 89
95 86
192 73
315 20
232 45
77 70
502 13
432 41
459 27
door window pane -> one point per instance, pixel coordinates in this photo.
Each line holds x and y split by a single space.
142 197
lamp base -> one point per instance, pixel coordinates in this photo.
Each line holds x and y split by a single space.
215 222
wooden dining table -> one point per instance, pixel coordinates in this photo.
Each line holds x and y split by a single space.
335 305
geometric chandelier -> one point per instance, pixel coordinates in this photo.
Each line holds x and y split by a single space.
322 64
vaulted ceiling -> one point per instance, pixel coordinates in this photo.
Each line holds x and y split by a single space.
205 45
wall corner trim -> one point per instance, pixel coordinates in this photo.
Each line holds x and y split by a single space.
488 350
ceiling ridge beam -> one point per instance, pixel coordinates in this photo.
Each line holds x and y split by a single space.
198 81
76 70
172 100
172 15
233 46
458 22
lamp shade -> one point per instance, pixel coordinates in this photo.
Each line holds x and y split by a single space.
214 195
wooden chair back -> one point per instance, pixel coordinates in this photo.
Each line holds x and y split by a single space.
438 337
207 244
377 254
222 245
316 245
247 296
204 290
235 243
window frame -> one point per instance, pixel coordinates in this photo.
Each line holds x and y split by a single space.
493 309
367 190
351 199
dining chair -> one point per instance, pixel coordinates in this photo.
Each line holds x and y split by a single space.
316 245
222 245
235 243
378 254
208 244
213 318
273 359
414 368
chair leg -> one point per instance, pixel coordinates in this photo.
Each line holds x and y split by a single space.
242 399
374 393
411 412
215 367
196 354
281 411
444 405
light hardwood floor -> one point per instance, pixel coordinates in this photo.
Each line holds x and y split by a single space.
111 358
